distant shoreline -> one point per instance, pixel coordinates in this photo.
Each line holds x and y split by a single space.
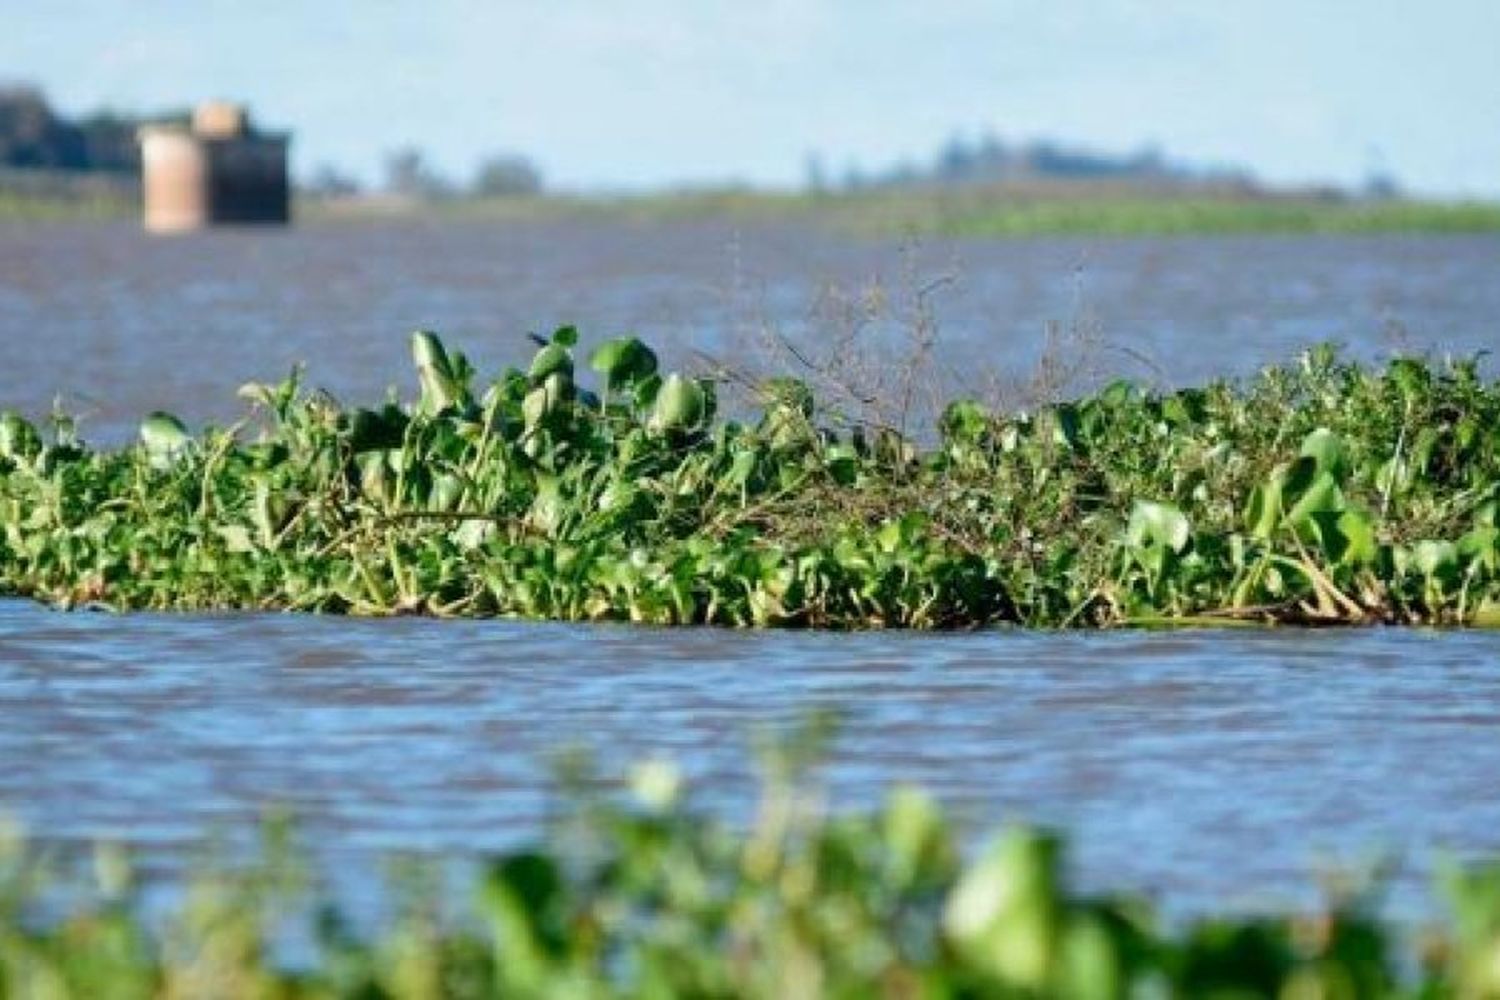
1009 210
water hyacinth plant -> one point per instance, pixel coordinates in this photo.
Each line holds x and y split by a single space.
1318 492
649 897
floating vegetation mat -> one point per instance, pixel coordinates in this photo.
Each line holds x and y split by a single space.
1319 492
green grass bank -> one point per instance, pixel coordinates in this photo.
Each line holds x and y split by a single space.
960 211
969 211
1317 492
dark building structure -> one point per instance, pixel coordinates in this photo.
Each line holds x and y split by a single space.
220 170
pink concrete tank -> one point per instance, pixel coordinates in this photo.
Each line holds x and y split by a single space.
221 170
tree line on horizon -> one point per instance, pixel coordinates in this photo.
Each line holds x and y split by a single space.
989 159
35 138
407 173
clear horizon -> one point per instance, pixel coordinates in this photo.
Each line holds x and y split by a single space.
664 92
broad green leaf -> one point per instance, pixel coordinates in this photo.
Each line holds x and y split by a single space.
1091 966
1326 451
1322 496
522 899
550 359
1003 911
623 361
1358 533
681 404
440 385
18 439
1158 524
912 824
165 439
1435 559
1479 542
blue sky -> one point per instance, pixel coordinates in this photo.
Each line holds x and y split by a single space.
642 92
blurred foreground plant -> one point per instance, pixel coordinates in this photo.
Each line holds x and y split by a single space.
648 897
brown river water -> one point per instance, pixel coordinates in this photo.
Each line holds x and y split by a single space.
1200 766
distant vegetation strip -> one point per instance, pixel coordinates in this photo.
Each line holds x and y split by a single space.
1319 492
649 897
28 197
955 215
1048 210
957 212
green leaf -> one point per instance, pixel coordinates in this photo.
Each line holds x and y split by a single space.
522 899
268 510
446 489
236 538
964 421
1394 477
1322 496
842 465
550 359
1327 452
1091 964
623 361
1436 560
18 439
681 405
914 830
1002 914
1118 393
1263 512
165 439
1357 530
791 394
440 384
741 468
374 474
372 430
1160 525
1411 377
535 407
1481 546
644 392
1184 408
1065 425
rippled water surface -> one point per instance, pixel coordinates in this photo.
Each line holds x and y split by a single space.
1203 766
121 323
